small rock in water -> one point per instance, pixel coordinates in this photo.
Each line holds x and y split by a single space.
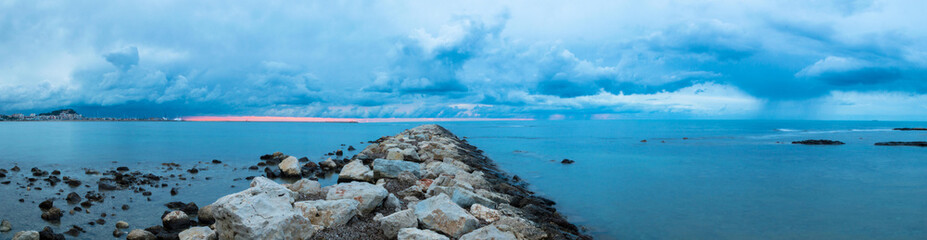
139 234
117 233
74 231
193 170
73 198
125 207
567 161
173 191
47 233
47 204
15 169
175 220
121 224
5 226
56 172
818 142
216 161
122 169
253 168
351 148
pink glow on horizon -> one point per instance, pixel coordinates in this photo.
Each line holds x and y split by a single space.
337 120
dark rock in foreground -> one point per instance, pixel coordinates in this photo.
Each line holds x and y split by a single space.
818 142
910 129
567 161
913 144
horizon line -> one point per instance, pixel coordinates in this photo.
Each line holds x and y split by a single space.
337 120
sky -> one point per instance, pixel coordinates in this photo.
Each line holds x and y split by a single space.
613 59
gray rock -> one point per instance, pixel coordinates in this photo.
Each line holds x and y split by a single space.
441 214
394 154
466 198
436 169
355 171
306 187
419 234
263 211
26 235
5 226
392 202
140 234
206 214
290 167
122 225
383 168
176 220
328 163
391 224
198 233
488 232
408 177
368 195
328 213
484 213
523 229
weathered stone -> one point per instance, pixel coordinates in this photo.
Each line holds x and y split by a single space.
441 214
328 163
494 196
140 234
488 232
419 234
73 198
484 213
392 202
47 233
206 214
290 167
435 169
408 178
306 187
466 198
122 225
176 220
413 191
368 195
6 226
391 224
523 229
26 235
52 214
265 211
328 213
355 171
383 168
474 179
198 233
394 154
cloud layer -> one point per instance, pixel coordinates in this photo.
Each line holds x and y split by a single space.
580 60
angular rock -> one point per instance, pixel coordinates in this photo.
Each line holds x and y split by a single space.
52 214
484 213
466 198
197 233
328 213
392 202
26 235
265 211
47 233
355 171
306 187
394 154
419 234
176 220
390 225
523 229
140 234
5 226
290 167
368 195
383 168
47 204
441 214
488 232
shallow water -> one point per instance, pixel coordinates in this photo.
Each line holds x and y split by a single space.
728 180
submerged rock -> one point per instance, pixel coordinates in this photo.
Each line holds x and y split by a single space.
818 142
913 144
263 211
910 129
328 213
47 233
567 161
441 214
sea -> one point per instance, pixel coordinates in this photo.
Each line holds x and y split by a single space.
632 179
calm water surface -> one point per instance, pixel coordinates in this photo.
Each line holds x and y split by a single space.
728 180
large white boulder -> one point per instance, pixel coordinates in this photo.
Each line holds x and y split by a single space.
391 224
368 195
383 168
198 233
355 171
488 232
419 234
328 213
290 166
441 214
263 211
306 187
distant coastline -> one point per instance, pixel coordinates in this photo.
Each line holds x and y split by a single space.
69 115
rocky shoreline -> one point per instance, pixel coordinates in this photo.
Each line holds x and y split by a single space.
424 183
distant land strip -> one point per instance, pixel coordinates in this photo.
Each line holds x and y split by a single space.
337 120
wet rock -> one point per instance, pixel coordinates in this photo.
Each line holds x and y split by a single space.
27 235
206 215
139 234
567 161
355 171
193 171
125 207
15 169
910 129
47 233
368 195
523 229
913 144
419 234
52 214
6 226
390 225
328 164
146 193
74 231
272 173
303 159
818 142
351 148
339 152
253 168
290 167
265 210
122 225
173 191
306 187
188 208
101 221
118 233
383 168
47 204
197 233
328 213
488 232
441 214
392 202
73 183
176 220
216 161
73 198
